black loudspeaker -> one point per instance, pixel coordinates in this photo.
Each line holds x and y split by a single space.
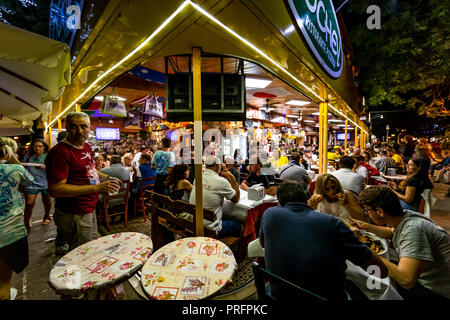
223 97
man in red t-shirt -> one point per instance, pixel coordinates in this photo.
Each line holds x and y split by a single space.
74 182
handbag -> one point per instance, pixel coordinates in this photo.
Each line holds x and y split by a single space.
153 107
113 106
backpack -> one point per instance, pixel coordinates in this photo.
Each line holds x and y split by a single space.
371 172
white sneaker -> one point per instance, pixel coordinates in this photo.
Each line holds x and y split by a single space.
13 293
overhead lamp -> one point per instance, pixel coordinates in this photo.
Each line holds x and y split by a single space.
257 82
308 121
335 120
297 102
292 116
100 98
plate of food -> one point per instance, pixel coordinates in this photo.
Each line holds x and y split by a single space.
374 243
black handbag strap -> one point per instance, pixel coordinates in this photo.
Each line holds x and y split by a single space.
286 169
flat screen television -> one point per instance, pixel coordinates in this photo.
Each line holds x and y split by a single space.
107 133
341 136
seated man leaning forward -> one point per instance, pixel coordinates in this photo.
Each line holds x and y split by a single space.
423 248
255 177
217 186
294 171
309 248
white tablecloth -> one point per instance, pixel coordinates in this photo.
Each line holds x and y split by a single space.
238 211
374 288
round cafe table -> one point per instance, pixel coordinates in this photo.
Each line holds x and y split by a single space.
188 269
398 177
101 263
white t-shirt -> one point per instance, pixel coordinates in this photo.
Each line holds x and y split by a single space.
215 189
362 171
350 180
334 208
136 159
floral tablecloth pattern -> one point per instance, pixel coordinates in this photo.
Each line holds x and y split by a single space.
100 263
188 269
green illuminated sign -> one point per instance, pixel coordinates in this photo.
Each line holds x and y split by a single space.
318 24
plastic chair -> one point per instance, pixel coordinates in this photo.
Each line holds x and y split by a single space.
112 203
427 202
139 202
262 274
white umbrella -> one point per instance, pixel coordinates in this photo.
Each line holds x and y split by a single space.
33 72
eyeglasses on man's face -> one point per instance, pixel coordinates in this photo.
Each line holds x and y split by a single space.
365 210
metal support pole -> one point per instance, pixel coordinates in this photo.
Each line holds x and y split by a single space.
197 85
361 139
345 141
356 137
323 131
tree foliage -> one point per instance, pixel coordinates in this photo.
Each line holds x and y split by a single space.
31 15
406 63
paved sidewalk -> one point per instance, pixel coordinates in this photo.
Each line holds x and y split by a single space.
32 284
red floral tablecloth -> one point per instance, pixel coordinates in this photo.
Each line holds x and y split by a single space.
188 269
100 263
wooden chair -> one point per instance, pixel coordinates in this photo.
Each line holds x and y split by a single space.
261 275
165 217
139 201
114 205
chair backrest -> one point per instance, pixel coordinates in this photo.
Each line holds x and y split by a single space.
262 274
168 209
427 202
123 194
145 184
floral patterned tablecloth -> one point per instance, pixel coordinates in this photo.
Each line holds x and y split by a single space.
188 269
100 263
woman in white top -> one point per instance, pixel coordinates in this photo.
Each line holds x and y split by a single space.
330 198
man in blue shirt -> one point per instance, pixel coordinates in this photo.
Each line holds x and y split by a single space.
146 171
309 248
163 161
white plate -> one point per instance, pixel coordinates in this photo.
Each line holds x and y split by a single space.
383 243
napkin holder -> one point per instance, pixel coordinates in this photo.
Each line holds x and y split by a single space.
256 192
391 172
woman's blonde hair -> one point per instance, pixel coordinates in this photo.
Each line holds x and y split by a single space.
127 155
322 181
7 147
